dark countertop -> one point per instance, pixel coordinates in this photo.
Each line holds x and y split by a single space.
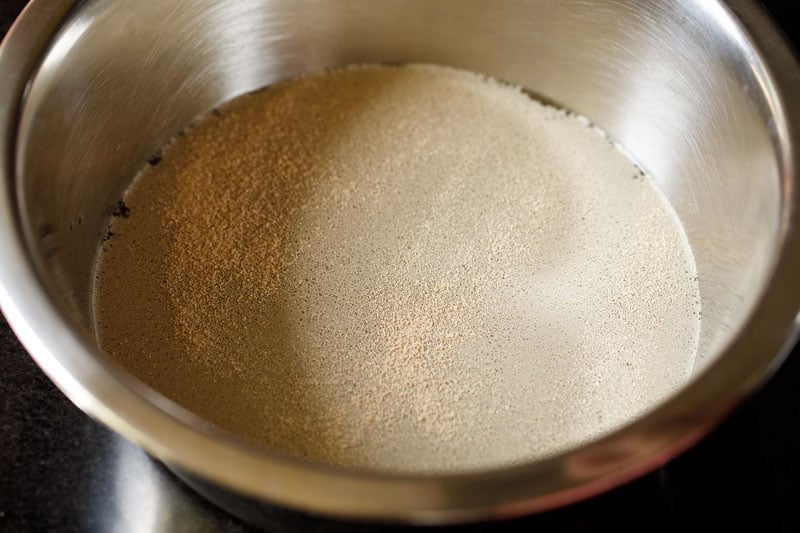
61 470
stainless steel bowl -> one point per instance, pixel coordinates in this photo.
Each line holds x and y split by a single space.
704 95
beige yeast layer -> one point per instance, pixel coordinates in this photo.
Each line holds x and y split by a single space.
407 269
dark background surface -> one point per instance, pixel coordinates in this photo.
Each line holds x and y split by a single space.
60 470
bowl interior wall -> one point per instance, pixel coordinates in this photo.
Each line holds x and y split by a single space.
684 98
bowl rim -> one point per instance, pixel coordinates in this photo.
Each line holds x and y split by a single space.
185 442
